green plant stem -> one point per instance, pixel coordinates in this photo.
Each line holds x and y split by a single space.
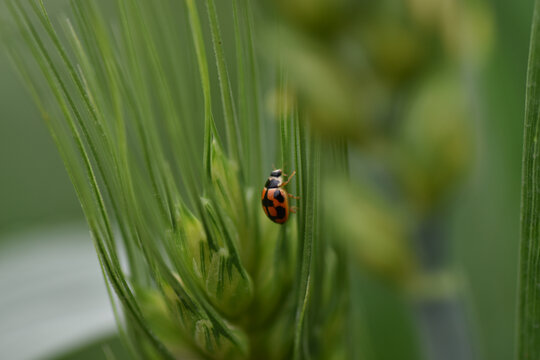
528 321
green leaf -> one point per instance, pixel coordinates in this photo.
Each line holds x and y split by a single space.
528 328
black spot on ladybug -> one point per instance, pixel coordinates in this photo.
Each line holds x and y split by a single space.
280 212
278 196
266 202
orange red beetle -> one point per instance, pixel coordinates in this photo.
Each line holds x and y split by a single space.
275 199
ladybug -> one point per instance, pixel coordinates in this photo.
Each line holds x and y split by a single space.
275 199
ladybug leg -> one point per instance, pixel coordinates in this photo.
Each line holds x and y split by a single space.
294 197
293 209
294 172
289 179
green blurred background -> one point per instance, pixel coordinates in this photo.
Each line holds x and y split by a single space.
35 192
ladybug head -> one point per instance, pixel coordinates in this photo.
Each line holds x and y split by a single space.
276 173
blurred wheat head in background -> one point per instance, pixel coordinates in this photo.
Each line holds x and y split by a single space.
168 123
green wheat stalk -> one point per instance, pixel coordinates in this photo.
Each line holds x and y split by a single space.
126 90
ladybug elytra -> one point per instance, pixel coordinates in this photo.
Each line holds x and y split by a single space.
275 199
